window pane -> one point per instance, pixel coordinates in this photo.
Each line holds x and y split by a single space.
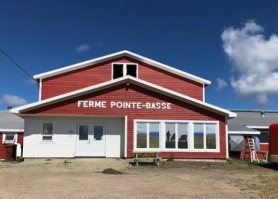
131 69
198 136
46 137
211 136
263 137
182 135
154 135
170 135
98 132
47 129
83 132
9 137
118 70
142 135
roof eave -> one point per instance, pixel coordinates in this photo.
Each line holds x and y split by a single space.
136 81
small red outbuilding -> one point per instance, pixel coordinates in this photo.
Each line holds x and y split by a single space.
11 135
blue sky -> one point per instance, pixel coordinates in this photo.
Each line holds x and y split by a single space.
233 44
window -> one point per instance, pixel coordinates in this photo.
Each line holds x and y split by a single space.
9 138
173 129
98 132
211 136
177 136
263 137
182 135
47 131
118 70
204 136
147 135
121 70
83 132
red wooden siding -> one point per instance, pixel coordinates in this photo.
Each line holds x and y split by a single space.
171 81
2 146
133 93
100 73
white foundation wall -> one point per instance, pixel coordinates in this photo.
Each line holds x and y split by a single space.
64 138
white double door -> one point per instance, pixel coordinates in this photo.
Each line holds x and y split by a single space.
90 140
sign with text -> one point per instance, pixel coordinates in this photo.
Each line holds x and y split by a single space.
124 105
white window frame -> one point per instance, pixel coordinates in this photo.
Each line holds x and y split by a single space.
148 136
47 135
205 135
190 136
124 69
9 142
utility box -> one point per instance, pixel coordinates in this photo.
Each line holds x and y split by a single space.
273 140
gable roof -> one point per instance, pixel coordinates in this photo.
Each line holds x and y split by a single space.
255 119
117 55
242 130
10 122
119 81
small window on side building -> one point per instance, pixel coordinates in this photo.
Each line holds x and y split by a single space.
9 138
47 131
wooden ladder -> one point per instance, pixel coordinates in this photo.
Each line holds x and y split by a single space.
253 154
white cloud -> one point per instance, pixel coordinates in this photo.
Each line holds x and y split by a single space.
82 48
255 61
13 100
221 83
262 99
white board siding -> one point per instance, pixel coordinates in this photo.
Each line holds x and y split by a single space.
64 138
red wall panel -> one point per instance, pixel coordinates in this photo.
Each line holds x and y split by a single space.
2 146
99 73
133 93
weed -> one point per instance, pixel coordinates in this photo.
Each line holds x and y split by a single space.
111 171
66 162
171 158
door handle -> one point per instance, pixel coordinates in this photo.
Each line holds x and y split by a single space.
89 140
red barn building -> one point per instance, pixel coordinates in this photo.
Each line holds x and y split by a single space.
115 104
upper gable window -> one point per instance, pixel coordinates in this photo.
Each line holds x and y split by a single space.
121 70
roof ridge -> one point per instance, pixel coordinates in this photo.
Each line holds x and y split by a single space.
119 54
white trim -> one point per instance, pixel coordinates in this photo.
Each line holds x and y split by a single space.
12 130
124 68
118 81
119 54
53 131
126 132
14 141
227 139
40 90
204 93
258 127
244 132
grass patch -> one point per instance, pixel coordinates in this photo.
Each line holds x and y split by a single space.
66 162
112 171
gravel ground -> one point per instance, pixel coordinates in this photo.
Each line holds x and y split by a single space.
83 178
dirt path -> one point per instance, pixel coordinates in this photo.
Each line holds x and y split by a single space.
82 178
